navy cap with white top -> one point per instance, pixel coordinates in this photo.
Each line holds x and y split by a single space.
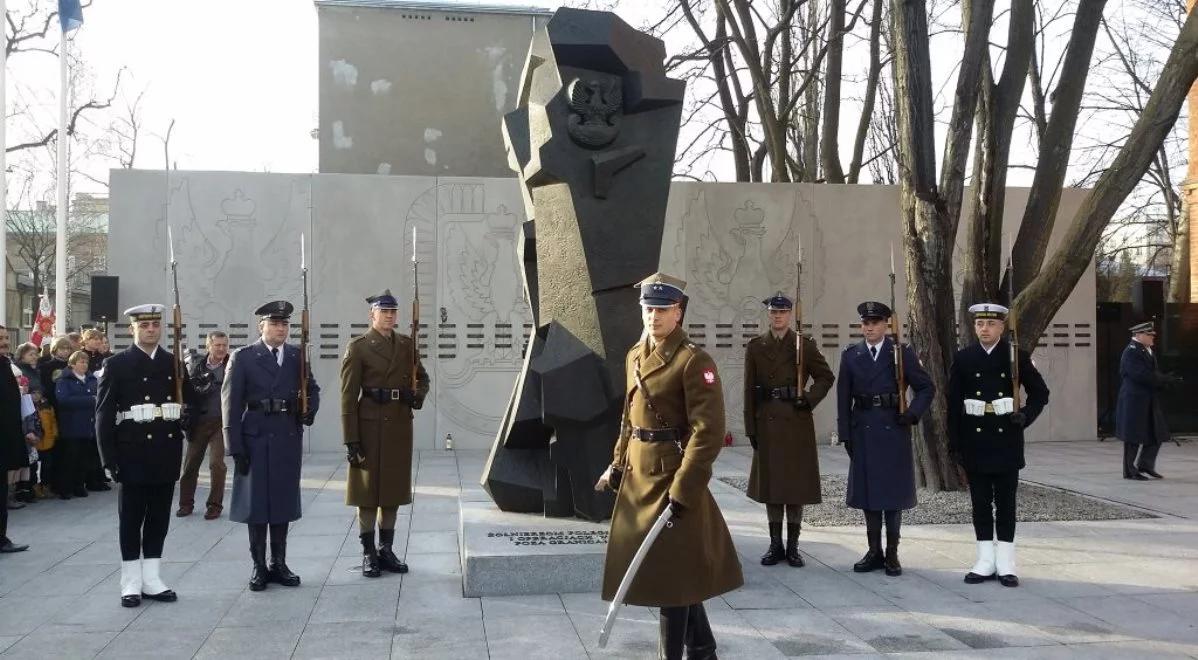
988 311
148 312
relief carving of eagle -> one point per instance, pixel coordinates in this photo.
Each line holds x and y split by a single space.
596 108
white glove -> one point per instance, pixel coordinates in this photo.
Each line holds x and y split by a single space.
1003 406
975 407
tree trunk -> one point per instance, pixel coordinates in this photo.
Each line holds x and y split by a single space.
830 147
926 231
871 92
1037 304
1179 266
1040 214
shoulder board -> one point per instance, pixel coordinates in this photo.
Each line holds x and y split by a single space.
848 346
356 339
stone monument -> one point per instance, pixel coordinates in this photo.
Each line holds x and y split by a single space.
592 139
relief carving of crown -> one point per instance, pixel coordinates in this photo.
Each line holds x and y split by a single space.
238 207
749 215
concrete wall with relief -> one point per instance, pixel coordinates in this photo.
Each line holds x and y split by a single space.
736 243
237 241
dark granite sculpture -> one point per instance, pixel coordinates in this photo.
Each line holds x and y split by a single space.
593 140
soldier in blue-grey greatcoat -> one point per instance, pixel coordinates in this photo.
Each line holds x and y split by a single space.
878 437
261 410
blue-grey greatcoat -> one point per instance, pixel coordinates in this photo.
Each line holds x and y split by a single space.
1139 419
882 467
274 443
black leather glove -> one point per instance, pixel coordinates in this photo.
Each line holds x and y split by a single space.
353 455
241 463
753 442
801 403
114 472
677 508
907 419
1018 419
414 402
616 477
308 418
185 417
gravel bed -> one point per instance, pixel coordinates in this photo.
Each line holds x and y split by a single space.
1036 503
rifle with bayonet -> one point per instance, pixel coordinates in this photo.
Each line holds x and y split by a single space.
176 320
304 337
415 316
897 328
798 311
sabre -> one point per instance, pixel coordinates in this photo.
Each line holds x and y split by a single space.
177 319
415 314
617 602
898 342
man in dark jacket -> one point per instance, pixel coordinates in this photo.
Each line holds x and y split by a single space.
876 435
985 431
1139 419
14 448
264 434
206 433
140 433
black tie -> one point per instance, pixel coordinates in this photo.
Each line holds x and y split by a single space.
275 352
873 352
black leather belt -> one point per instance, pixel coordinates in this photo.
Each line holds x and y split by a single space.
788 393
658 435
385 395
865 402
273 406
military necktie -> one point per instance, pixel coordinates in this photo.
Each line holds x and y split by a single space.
873 352
275 352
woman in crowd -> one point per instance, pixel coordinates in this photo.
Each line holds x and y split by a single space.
75 393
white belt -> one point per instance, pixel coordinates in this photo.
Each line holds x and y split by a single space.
128 415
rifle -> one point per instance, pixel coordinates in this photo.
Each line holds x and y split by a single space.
898 342
798 311
415 314
177 320
303 356
1011 326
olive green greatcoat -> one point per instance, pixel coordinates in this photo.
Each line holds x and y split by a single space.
694 560
384 429
785 466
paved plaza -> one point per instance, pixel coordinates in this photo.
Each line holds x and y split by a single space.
1124 588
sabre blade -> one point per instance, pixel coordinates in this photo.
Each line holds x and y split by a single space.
633 566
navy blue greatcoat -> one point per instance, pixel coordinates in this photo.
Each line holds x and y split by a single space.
1139 419
274 443
882 467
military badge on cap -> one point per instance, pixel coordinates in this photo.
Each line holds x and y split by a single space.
150 312
778 302
383 300
1146 327
873 310
989 311
661 290
278 310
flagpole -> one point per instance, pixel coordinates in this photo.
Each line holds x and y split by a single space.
60 253
4 166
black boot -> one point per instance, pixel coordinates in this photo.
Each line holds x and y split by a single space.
387 559
279 573
370 556
893 567
700 642
792 546
775 554
261 574
872 560
672 632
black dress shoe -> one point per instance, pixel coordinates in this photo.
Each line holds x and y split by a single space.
974 578
1008 580
1137 477
130 601
167 596
872 561
7 546
79 492
1152 473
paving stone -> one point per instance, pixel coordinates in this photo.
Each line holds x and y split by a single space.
183 641
361 602
60 644
277 640
355 640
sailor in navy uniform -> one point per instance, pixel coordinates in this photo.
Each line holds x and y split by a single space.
1139 418
261 410
876 436
985 436
139 429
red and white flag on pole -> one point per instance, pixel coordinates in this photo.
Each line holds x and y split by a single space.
43 322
